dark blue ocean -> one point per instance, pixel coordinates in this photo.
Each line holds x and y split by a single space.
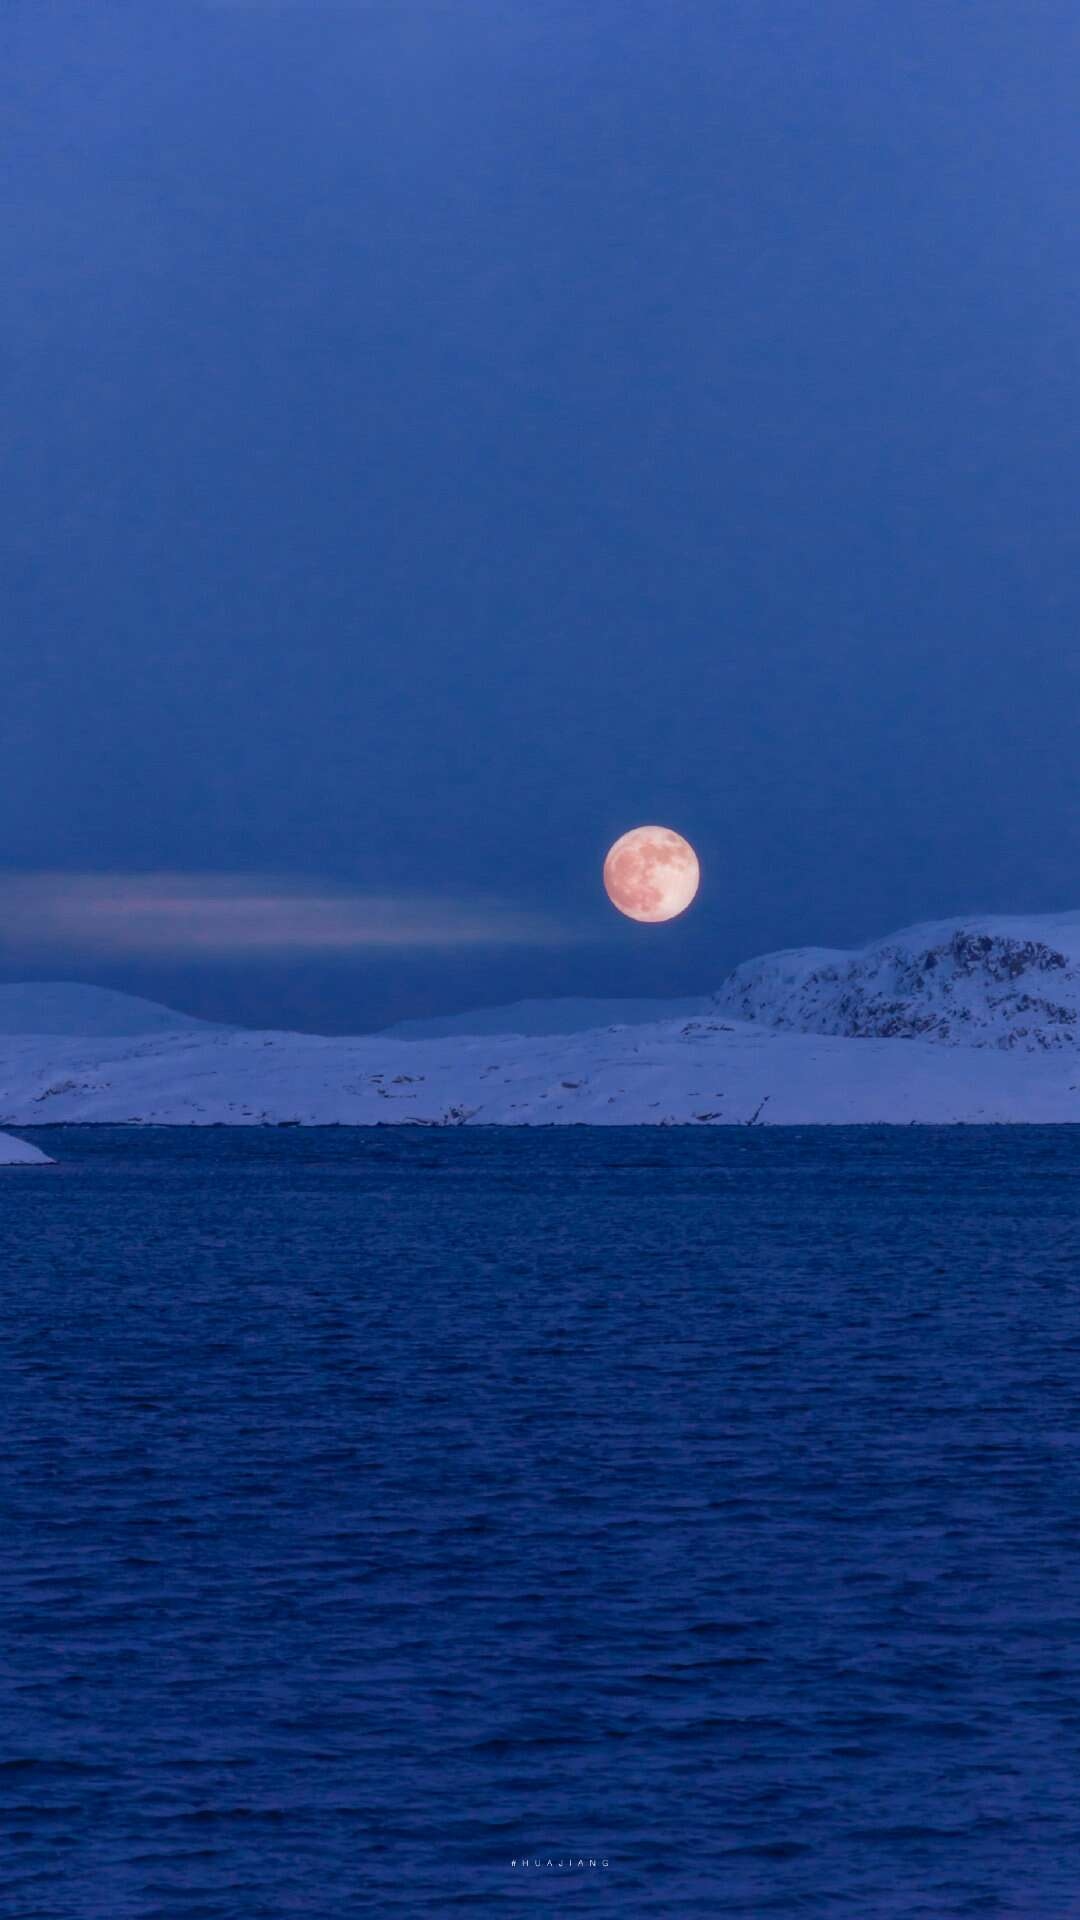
390 1518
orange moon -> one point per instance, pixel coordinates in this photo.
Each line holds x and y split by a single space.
651 873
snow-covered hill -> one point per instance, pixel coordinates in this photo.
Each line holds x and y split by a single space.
1005 982
19 1153
68 1007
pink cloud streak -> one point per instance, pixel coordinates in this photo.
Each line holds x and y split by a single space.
193 914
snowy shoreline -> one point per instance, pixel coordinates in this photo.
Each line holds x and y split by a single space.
966 1022
672 1073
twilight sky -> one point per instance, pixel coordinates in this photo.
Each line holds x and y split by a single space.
439 437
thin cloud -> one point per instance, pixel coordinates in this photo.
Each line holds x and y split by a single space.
188 914
389 8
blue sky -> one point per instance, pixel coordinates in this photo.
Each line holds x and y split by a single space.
438 438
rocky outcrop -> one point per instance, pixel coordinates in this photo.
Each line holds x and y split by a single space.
1007 983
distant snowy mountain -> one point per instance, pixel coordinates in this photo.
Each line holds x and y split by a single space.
536 1017
1007 982
67 1007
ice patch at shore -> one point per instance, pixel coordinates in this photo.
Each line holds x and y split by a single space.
19 1153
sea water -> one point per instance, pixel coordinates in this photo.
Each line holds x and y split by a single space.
637 1521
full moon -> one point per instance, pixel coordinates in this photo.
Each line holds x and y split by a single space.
651 873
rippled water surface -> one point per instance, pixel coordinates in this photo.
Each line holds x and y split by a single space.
383 1508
